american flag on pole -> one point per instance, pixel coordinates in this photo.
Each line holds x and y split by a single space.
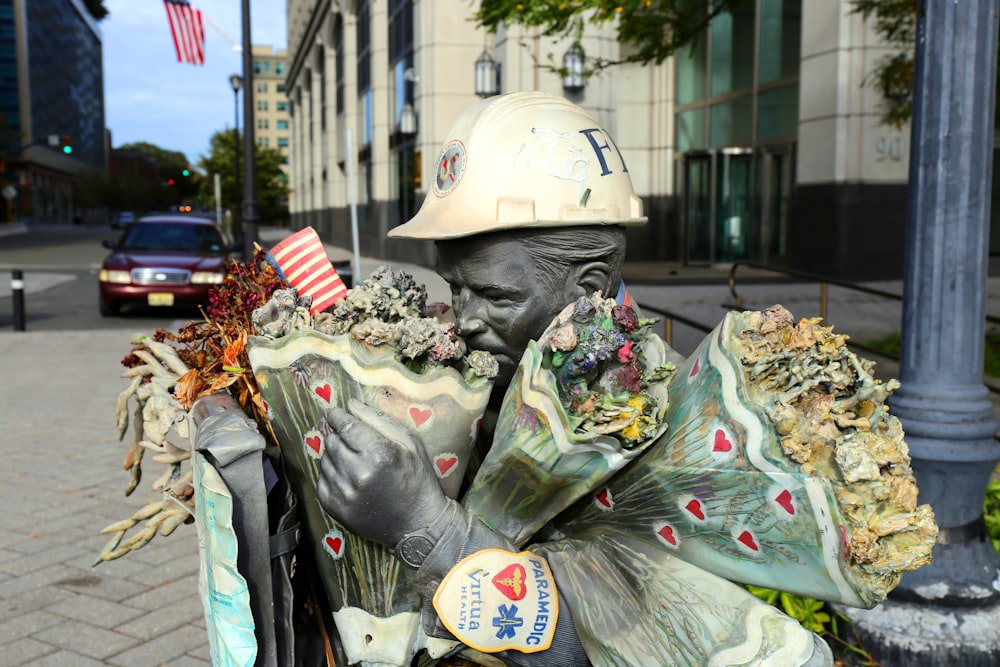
188 31
303 261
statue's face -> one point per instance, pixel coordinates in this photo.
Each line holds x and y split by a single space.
499 302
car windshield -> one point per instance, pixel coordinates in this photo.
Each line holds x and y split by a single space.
170 236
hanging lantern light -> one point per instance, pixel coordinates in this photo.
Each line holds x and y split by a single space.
573 80
487 76
408 120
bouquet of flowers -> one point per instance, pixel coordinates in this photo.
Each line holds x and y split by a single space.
376 345
781 467
587 398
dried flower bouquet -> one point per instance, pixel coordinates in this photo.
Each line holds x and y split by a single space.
586 398
781 467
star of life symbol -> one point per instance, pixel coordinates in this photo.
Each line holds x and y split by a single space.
508 621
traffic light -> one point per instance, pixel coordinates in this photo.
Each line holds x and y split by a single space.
170 181
67 144
186 172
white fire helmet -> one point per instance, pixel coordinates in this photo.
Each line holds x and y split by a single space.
524 160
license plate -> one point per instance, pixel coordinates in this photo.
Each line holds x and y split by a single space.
160 298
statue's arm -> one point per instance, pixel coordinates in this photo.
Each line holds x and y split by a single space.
460 534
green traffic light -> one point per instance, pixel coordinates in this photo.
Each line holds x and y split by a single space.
67 149
186 173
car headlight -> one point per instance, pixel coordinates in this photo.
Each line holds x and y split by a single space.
206 278
112 276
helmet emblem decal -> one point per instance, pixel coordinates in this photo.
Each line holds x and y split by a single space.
450 168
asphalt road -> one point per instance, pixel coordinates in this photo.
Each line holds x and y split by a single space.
59 265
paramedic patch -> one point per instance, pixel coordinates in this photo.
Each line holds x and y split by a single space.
496 600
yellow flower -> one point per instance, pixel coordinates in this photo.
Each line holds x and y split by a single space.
634 430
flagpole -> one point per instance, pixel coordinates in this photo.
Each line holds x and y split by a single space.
232 43
249 155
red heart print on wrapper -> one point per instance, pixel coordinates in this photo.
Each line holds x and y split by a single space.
722 443
746 539
324 391
694 507
511 582
333 544
667 535
784 500
604 500
419 416
445 464
313 441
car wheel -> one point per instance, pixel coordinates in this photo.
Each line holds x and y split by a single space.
109 308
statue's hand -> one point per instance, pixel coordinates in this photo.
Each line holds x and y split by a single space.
375 478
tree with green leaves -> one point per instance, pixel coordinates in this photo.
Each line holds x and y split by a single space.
96 9
896 22
272 184
172 166
650 30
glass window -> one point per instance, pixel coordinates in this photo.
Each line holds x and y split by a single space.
256 67
267 67
261 87
282 125
690 130
778 113
364 47
280 87
780 30
282 142
369 118
691 65
281 106
730 123
264 141
732 37
279 68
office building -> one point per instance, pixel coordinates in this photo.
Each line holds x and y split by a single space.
270 118
764 143
51 106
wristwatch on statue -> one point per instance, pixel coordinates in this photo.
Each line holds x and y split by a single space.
415 547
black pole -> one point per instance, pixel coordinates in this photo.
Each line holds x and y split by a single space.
238 197
250 167
947 613
17 294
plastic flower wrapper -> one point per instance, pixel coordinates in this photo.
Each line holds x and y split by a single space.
586 398
782 467
376 346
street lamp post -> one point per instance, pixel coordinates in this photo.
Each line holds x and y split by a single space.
235 80
249 158
947 613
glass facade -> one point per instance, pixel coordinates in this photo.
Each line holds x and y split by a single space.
742 78
65 70
736 124
10 109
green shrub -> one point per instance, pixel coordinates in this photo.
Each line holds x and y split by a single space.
991 356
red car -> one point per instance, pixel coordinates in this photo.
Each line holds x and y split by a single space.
163 260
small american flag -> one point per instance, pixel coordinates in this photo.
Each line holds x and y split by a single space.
303 261
187 30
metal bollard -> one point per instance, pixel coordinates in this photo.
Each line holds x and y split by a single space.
17 296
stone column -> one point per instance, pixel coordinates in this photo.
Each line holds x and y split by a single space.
947 613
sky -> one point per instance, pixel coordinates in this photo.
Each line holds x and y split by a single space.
149 96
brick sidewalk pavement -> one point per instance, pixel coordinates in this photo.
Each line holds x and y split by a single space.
61 482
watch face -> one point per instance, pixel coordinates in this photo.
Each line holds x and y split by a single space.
451 167
413 549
